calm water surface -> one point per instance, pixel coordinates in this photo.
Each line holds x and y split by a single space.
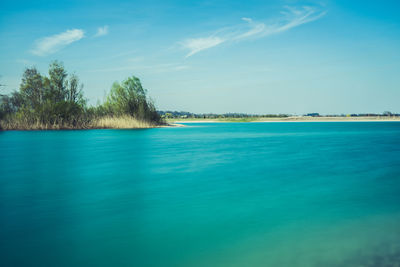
223 194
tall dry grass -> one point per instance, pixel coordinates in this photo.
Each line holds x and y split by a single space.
124 122
29 125
107 122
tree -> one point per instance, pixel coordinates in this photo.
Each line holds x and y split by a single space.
57 82
75 90
129 98
31 88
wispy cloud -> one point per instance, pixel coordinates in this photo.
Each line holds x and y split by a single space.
198 44
101 31
54 43
292 17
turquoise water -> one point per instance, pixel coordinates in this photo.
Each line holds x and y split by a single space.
223 194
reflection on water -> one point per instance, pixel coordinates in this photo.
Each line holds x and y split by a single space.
229 194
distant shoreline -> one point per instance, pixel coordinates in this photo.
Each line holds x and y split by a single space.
289 119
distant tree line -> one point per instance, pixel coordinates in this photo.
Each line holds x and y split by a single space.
183 114
57 101
384 114
168 114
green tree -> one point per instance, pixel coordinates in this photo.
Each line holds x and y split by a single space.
129 98
31 88
58 82
75 89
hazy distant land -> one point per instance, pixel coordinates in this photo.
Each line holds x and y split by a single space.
287 119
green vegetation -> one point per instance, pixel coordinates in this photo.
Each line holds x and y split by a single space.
57 102
213 116
183 116
129 98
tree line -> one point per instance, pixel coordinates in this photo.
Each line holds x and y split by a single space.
57 101
168 114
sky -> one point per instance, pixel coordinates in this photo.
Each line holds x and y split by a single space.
257 57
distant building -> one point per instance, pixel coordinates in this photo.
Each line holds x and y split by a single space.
312 115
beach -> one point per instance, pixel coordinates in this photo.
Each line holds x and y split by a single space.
289 119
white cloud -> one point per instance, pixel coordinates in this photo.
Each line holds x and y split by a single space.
297 17
247 19
101 31
253 30
293 17
198 44
54 43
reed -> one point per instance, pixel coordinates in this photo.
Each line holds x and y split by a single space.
121 122
36 125
106 122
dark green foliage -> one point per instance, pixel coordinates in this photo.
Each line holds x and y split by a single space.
129 98
57 102
31 89
50 101
184 114
58 83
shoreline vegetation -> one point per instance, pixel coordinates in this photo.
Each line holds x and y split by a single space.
124 122
57 102
186 117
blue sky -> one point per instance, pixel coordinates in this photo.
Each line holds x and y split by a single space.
282 56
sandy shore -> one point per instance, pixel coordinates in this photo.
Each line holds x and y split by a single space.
292 119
